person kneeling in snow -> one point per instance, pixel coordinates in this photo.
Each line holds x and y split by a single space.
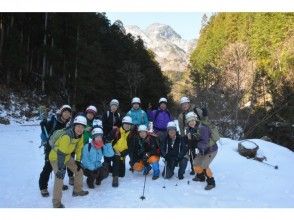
60 157
93 153
174 150
207 151
144 152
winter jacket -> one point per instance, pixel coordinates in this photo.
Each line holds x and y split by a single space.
120 142
54 124
174 150
182 120
110 119
160 119
204 134
65 145
139 116
138 148
192 144
91 157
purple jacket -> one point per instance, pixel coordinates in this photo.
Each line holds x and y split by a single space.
160 119
202 145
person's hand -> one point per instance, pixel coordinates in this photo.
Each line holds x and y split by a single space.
78 163
60 174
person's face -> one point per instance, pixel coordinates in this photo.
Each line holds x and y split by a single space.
127 127
143 134
136 106
90 115
98 138
79 129
113 108
185 106
66 115
192 124
162 106
172 133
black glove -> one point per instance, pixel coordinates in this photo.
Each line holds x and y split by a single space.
78 163
60 174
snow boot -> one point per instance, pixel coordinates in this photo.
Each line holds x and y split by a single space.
200 177
181 177
210 183
192 172
98 181
90 183
155 177
81 193
60 205
44 193
64 187
115 181
71 181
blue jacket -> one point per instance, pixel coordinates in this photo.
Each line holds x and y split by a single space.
139 117
202 145
91 157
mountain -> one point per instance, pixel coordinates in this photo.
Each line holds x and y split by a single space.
172 52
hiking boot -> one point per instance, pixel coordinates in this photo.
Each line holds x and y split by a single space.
192 172
200 177
44 193
98 181
147 170
71 180
64 187
115 181
90 183
210 183
81 193
155 177
59 205
181 177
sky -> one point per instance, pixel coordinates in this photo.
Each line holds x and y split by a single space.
187 24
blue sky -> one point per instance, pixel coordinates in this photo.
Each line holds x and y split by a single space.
187 24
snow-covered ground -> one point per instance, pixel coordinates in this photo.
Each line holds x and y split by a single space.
239 182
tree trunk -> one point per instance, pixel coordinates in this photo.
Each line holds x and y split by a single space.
44 54
1 37
76 65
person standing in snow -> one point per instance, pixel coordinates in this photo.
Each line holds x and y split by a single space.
174 150
186 107
192 135
92 155
111 120
120 146
160 118
60 157
139 116
56 122
207 152
144 152
91 112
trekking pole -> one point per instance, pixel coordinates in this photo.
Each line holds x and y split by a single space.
274 166
143 197
192 157
164 174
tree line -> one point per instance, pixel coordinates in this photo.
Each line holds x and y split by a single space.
77 58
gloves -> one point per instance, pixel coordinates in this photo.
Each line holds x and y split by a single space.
60 174
78 163
196 151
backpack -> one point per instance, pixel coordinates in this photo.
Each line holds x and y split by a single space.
215 136
46 134
56 135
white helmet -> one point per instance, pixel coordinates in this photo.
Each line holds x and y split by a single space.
191 116
136 100
92 109
142 128
80 120
184 100
114 102
97 131
127 120
63 108
162 100
171 125
97 123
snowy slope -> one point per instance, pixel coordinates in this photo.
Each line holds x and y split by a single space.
240 182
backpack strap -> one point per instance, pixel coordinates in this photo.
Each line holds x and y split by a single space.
89 147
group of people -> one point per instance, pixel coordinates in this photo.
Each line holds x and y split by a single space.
95 147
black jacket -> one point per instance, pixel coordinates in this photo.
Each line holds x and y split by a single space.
174 150
109 120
